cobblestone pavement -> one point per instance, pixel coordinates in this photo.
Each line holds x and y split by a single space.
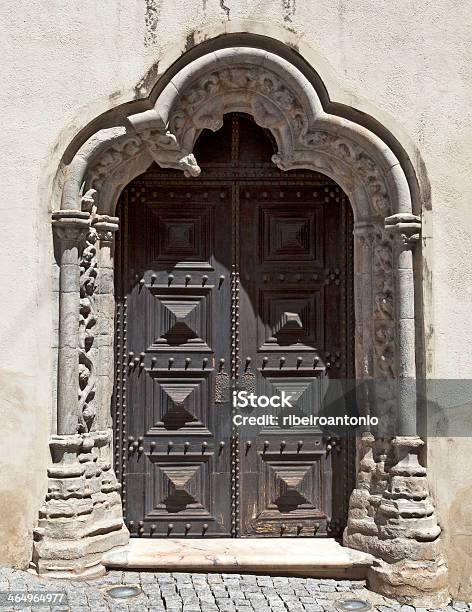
182 592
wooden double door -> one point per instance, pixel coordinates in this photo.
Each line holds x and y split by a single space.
238 280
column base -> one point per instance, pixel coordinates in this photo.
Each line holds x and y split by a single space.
422 584
76 560
82 516
392 517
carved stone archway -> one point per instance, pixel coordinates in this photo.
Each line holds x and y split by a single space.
391 514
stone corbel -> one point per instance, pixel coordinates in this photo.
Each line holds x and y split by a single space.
162 145
283 162
87 202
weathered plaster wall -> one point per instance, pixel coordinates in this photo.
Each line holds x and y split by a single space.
406 64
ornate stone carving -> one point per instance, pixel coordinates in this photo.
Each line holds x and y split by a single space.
82 515
267 95
391 514
384 336
105 227
347 153
88 202
120 151
275 100
284 162
70 226
383 306
87 323
162 145
189 165
277 105
376 326
69 234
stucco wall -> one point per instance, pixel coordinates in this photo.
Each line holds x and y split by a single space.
407 64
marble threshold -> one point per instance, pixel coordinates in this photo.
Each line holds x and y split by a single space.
284 556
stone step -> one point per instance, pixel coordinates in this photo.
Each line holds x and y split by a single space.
297 557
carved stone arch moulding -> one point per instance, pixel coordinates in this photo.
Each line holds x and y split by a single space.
391 514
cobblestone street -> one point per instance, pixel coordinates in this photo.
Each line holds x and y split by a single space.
184 592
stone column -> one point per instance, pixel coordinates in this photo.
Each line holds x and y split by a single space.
106 227
409 565
406 229
70 227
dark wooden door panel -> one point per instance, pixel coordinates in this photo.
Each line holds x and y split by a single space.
178 331
241 276
294 317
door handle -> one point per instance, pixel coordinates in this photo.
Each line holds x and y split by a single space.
222 384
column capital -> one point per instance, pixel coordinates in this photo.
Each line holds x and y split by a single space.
70 225
366 231
406 226
106 226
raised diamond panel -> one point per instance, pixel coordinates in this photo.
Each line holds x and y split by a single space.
180 487
305 398
291 320
180 239
181 404
292 485
291 234
181 320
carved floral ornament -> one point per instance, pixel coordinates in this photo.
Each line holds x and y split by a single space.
278 96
